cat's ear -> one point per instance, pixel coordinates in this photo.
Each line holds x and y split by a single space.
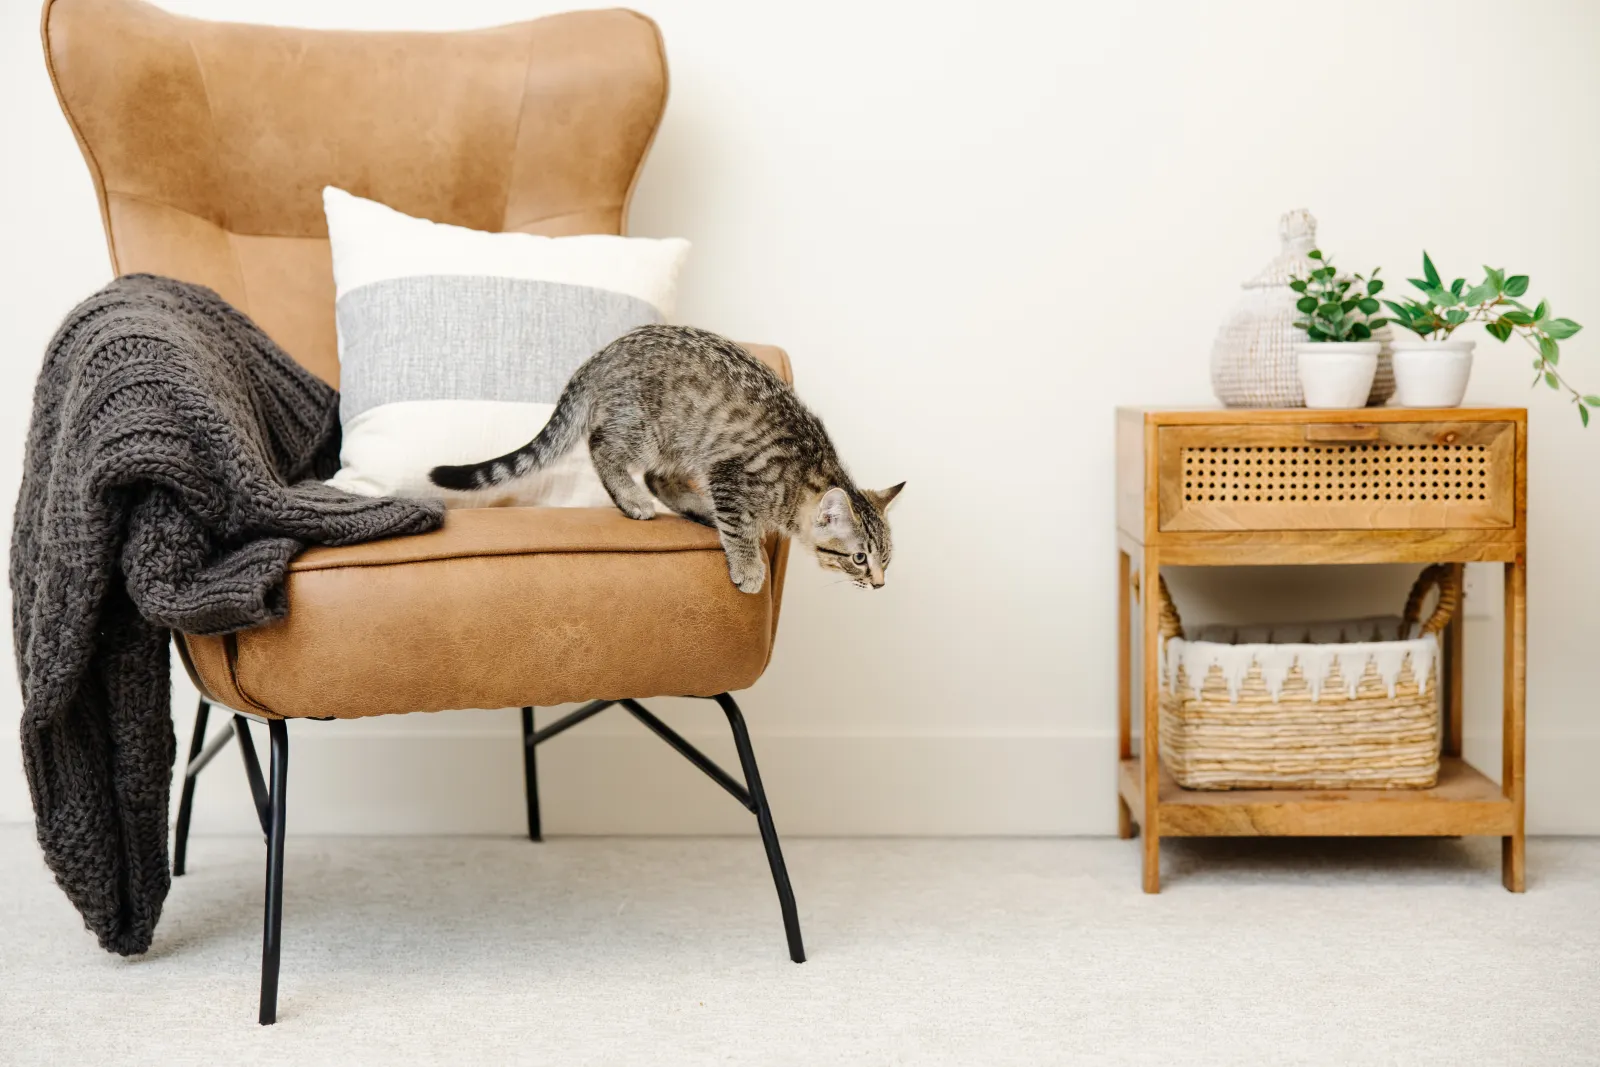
882 498
833 514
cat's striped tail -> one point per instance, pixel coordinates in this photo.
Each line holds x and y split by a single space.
566 428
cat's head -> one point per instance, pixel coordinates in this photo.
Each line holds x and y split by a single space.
850 533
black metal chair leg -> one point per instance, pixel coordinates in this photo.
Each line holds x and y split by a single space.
530 775
180 843
273 925
769 833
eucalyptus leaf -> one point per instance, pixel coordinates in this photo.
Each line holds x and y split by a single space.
1375 286
1306 305
1360 331
1298 285
1455 317
1428 271
1550 380
1516 285
1540 311
1592 401
1315 253
1561 329
1517 318
1378 323
1480 294
1496 278
1549 350
1583 413
1368 306
1499 330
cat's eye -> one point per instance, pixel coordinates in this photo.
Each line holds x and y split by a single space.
859 559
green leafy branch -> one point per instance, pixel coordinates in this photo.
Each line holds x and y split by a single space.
1332 312
1495 303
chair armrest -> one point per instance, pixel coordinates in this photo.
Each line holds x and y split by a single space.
774 357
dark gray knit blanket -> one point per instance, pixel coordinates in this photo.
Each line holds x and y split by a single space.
170 476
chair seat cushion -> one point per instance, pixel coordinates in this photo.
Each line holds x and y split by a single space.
501 607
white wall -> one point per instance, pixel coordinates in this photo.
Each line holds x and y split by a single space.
978 228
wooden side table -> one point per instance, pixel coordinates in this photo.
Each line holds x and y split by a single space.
1269 486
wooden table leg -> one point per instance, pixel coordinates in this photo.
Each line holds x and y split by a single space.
1514 741
1451 675
1124 689
1150 752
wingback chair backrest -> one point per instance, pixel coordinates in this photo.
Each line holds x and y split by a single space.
210 142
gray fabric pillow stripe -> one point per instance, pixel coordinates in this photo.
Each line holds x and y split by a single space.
470 337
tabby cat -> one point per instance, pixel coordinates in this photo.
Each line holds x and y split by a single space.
721 440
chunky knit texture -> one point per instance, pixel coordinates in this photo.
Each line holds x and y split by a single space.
169 479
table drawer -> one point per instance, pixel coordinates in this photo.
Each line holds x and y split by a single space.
1337 476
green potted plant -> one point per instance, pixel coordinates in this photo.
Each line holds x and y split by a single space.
1339 357
1431 369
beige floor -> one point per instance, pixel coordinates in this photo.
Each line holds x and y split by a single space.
626 951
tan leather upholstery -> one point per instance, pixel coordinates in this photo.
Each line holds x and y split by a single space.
502 607
209 144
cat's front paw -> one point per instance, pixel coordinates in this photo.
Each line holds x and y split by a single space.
749 579
638 511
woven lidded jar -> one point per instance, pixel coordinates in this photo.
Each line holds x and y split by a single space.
1253 361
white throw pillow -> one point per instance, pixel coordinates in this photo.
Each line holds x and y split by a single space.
454 344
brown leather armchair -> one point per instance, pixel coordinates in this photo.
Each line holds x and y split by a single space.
209 144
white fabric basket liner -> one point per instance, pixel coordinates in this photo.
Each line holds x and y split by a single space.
1351 644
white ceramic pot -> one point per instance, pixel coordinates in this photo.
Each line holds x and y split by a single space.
1253 360
1337 374
1431 374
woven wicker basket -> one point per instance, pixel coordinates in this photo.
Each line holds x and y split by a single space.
1275 707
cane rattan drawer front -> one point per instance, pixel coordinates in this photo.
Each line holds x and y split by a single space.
1338 476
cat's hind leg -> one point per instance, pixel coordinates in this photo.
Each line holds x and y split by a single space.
677 491
611 456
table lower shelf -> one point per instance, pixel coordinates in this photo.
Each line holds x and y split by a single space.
1464 802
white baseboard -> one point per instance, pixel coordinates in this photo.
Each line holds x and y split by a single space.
606 783
630 783
612 777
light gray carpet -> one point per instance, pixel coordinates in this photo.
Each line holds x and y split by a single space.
983 952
